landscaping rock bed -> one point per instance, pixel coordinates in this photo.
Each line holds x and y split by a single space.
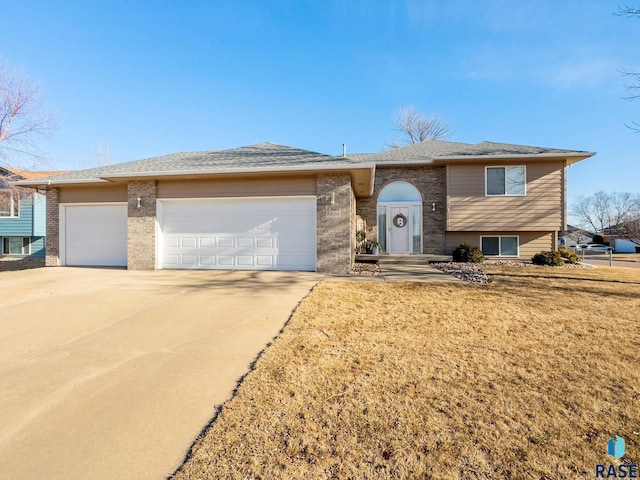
474 272
517 263
469 272
366 269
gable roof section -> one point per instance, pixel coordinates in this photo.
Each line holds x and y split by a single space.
260 158
10 175
439 152
19 174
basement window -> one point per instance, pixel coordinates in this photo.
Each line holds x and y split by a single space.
16 246
500 246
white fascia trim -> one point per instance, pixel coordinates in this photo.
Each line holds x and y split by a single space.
439 160
532 156
209 199
304 168
41 183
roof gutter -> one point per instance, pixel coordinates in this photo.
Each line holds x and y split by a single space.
571 157
44 183
106 178
304 168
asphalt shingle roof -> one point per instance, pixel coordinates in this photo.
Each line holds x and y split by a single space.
254 157
432 149
268 156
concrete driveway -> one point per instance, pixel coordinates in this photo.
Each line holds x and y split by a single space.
110 374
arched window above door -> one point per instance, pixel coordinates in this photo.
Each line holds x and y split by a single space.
400 192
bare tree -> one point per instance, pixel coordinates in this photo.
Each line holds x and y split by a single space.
633 85
627 11
416 128
101 158
609 213
22 122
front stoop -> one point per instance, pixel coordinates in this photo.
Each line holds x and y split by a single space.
403 259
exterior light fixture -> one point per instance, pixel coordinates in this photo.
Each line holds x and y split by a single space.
333 198
139 202
433 206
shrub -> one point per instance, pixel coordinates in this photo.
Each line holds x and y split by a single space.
466 253
552 259
568 255
598 239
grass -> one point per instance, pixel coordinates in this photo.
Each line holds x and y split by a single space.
524 378
629 257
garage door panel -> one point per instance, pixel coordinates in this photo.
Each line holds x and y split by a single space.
95 235
239 234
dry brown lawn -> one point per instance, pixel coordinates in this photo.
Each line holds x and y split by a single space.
629 257
525 378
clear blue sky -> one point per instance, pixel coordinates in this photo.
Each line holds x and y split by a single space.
150 78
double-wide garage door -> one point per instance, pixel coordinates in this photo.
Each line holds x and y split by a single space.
242 234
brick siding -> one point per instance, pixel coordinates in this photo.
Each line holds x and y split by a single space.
52 242
335 224
141 229
432 184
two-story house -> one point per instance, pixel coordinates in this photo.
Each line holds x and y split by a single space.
275 207
22 215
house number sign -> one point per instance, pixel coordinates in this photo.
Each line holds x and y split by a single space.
400 220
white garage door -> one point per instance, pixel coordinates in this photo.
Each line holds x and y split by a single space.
242 234
95 235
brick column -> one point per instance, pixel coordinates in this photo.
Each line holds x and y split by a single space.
52 241
141 229
335 224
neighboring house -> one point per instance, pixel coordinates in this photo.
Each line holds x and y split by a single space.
275 207
22 215
614 237
573 236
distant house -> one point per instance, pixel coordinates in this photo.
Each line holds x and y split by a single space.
614 236
22 214
573 236
274 207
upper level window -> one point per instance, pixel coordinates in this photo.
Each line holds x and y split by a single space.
506 180
8 204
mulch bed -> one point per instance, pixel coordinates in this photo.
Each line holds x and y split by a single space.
12 264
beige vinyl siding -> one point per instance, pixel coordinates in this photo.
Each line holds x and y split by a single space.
93 193
542 208
245 187
530 242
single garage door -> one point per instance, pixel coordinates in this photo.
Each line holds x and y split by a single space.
95 235
241 234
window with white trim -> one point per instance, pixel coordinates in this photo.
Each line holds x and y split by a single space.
505 180
500 246
16 246
9 203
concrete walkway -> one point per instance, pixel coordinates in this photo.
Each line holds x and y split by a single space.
414 273
112 374
398 273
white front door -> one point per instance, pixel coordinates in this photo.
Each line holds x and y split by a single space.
399 239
